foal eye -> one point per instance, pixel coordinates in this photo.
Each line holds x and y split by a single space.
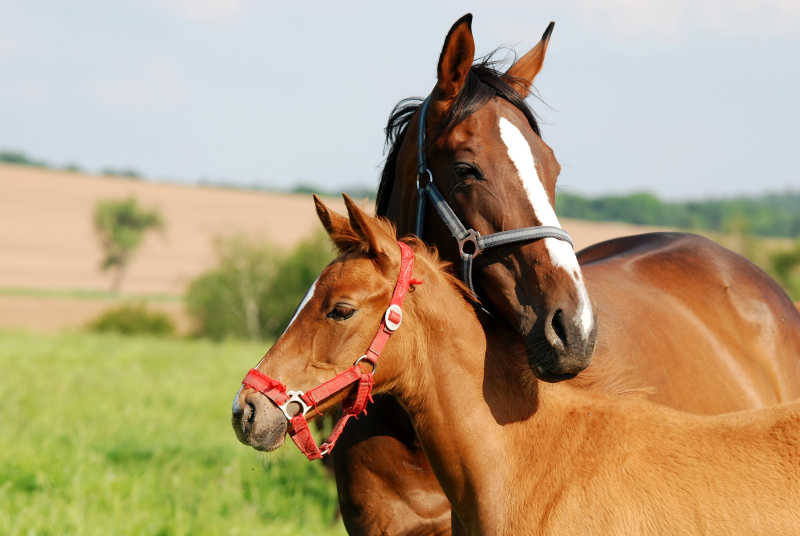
341 311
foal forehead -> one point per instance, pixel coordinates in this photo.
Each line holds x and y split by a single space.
352 276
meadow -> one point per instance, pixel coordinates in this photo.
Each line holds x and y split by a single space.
105 434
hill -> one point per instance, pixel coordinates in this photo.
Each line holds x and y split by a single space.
49 257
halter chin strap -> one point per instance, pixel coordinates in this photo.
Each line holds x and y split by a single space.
357 401
470 242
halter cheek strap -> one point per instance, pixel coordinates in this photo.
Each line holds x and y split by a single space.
470 242
357 401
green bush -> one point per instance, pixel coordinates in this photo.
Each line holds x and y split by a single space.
784 265
128 173
132 319
294 275
255 287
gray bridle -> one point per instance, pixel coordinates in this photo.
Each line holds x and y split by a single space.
470 242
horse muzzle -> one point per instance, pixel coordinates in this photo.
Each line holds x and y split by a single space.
258 422
559 348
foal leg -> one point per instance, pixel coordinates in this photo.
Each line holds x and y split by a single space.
384 479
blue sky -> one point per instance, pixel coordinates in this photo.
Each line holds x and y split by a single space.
683 98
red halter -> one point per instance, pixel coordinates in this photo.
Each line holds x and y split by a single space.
357 401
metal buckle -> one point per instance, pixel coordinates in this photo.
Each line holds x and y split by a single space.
294 396
391 325
471 238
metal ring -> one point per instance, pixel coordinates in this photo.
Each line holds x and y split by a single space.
471 238
430 178
373 363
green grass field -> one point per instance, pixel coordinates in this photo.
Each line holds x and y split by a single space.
104 434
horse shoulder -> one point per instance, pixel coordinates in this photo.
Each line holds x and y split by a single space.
671 306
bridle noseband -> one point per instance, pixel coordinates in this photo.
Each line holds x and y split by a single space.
357 401
470 242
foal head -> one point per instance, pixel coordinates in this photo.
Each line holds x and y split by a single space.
488 160
337 323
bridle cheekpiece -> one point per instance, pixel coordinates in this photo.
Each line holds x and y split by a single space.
470 242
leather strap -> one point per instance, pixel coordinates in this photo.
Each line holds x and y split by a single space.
426 189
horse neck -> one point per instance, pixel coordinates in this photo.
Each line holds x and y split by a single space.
401 210
480 413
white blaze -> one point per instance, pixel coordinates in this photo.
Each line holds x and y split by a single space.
303 303
561 253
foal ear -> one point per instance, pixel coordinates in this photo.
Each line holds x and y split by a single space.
455 61
520 75
335 224
366 227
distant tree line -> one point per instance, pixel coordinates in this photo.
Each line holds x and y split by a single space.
357 192
766 215
776 214
20 158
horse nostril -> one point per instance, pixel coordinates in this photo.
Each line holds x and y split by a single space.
249 412
558 326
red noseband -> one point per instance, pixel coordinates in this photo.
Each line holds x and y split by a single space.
357 401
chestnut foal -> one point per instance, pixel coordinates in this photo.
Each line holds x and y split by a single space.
516 455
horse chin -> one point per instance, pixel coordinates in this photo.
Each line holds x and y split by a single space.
550 366
271 442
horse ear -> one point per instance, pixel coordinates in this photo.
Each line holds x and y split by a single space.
365 227
455 61
335 224
520 75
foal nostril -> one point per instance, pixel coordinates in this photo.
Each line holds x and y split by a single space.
558 327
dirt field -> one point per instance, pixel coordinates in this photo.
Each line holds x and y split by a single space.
47 242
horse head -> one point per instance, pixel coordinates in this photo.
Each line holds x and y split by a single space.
486 157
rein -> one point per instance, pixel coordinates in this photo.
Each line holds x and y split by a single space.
470 242
357 401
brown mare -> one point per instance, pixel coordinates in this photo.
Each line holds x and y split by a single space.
516 455
704 328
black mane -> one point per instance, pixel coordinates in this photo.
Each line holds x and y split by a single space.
483 83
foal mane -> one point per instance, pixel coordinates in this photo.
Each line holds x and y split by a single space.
348 242
484 82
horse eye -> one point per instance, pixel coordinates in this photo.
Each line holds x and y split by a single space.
341 311
466 171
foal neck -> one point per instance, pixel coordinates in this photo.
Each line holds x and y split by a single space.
482 416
